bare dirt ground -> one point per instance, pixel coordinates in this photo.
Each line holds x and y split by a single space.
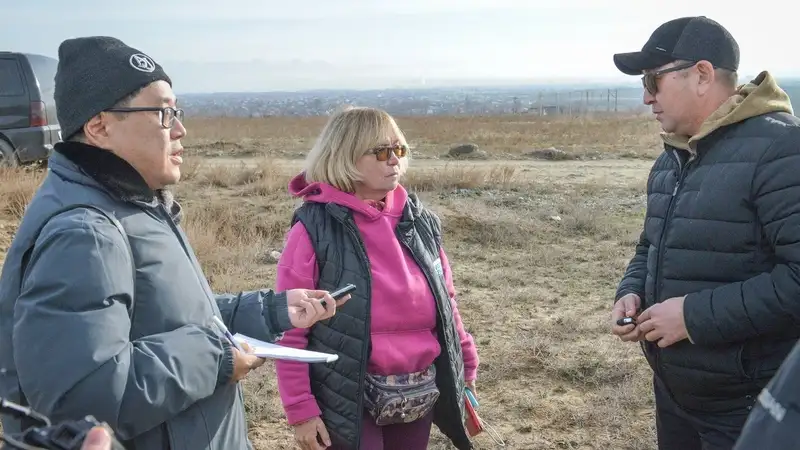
537 249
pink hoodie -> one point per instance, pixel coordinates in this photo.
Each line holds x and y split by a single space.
403 314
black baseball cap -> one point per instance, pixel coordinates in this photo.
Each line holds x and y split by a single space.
687 38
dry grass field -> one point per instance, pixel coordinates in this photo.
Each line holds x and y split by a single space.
537 248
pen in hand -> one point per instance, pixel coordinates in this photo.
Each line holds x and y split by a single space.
228 334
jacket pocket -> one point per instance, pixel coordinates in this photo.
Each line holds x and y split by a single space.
702 370
745 373
188 430
760 360
157 438
173 436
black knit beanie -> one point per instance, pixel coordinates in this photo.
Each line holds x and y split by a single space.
94 73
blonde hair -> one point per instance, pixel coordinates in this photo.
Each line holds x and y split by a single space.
348 134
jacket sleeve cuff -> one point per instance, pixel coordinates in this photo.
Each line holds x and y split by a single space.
471 358
302 411
470 373
279 312
688 335
226 365
699 320
624 292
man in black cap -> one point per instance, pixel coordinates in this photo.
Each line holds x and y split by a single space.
104 308
714 285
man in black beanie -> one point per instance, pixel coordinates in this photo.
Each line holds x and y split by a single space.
104 309
714 285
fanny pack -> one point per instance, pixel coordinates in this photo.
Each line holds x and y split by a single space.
401 398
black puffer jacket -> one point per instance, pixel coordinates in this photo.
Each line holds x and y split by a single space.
723 229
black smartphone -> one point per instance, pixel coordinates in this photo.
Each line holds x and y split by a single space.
341 292
626 321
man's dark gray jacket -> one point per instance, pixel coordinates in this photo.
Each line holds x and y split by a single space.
723 229
80 336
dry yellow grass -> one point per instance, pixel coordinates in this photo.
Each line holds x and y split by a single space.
536 247
502 137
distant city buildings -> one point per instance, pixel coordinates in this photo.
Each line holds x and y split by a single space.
477 101
535 100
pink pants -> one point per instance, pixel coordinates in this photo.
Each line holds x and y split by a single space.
403 436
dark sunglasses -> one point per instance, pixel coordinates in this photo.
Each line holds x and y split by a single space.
167 114
384 152
650 79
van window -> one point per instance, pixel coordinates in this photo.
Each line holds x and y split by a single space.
45 69
11 84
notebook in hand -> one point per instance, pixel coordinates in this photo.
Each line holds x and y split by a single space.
274 351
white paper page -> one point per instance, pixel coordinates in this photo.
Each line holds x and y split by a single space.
273 351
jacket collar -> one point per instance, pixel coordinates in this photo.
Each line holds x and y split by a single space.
117 176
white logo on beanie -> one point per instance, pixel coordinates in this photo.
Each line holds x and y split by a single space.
142 62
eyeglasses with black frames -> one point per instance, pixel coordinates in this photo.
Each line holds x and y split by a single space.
167 114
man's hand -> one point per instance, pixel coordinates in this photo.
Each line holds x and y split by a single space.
626 306
663 322
243 363
97 439
307 307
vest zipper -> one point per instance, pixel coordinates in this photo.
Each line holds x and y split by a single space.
367 337
438 300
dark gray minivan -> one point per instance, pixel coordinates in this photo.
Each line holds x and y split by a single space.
28 123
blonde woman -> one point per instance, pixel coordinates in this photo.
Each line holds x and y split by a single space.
401 330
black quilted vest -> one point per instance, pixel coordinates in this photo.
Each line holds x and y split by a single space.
342 258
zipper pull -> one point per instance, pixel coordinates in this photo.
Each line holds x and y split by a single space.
675 190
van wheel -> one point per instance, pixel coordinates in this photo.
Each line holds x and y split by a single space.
8 157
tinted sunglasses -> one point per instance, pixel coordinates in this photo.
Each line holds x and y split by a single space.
384 152
650 79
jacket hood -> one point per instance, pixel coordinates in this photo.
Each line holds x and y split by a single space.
760 96
325 193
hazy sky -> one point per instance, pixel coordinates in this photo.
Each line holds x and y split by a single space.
299 44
